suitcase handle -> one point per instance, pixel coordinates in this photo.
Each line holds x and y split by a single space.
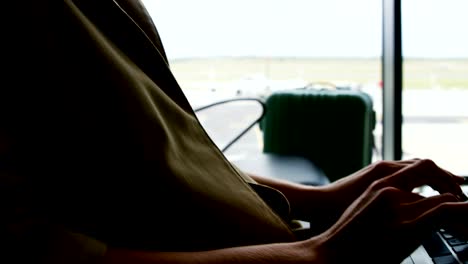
324 85
320 85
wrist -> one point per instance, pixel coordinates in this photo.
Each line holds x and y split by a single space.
322 213
314 250
314 201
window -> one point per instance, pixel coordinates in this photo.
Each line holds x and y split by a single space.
249 48
435 82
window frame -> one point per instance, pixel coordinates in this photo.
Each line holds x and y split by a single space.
392 75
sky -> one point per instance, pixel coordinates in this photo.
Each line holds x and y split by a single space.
306 28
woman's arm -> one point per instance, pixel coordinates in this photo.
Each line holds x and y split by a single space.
303 199
281 253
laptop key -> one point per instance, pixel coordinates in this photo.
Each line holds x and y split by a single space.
449 259
462 252
435 247
455 242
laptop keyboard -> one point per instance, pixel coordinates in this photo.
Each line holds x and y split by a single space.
445 248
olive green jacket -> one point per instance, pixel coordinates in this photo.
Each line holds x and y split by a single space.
101 147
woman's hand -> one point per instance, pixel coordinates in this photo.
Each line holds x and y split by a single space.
338 195
388 221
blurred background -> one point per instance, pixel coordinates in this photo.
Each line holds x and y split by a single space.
249 48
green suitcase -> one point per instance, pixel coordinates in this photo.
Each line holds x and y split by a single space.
331 127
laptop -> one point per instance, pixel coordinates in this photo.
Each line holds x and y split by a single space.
442 247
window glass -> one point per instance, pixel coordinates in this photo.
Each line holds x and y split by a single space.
435 82
250 48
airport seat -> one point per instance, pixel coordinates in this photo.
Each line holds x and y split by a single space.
293 168
287 167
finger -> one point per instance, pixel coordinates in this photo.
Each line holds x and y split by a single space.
382 169
386 167
424 172
412 211
458 179
445 214
374 171
453 218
